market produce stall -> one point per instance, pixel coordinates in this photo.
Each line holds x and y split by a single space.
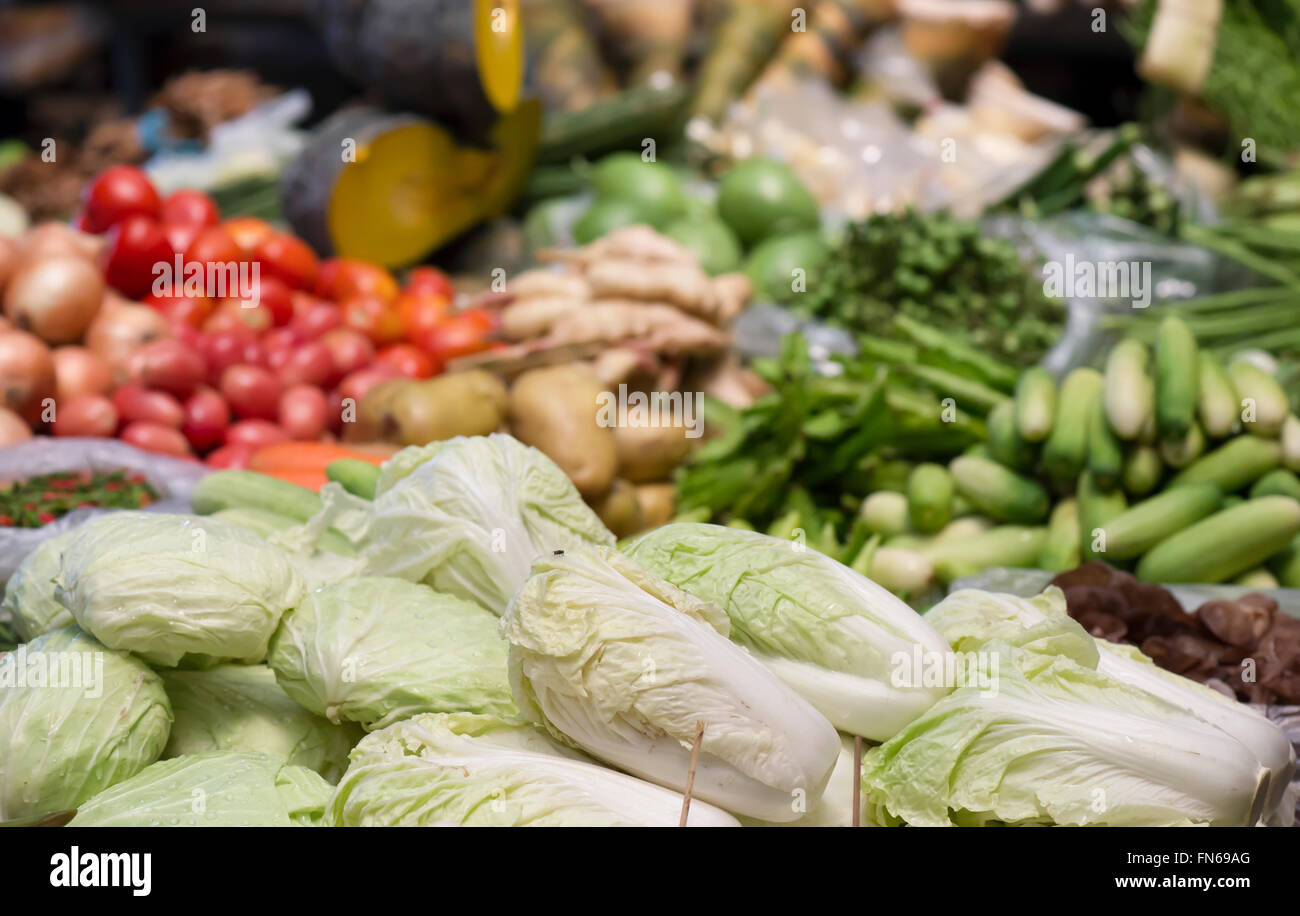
682 413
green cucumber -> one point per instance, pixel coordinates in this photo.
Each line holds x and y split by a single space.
929 497
1130 394
1005 443
1061 552
1280 482
1009 545
1142 470
1217 402
1035 404
1096 508
1177 377
356 476
1066 450
239 489
1225 544
1264 407
1234 465
1105 459
1140 527
999 492
1180 451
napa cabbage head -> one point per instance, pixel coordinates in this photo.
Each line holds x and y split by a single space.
169 586
623 664
213 789
835 807
241 707
75 717
29 594
1041 739
466 516
374 650
469 770
970 617
836 637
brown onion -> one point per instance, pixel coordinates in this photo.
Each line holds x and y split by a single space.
26 375
79 371
54 298
121 328
13 428
50 239
10 259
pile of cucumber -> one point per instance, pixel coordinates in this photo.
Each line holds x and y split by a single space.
1167 462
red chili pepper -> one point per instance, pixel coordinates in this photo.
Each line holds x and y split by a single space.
113 486
85 503
29 507
45 518
6 520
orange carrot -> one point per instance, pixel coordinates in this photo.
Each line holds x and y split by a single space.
305 456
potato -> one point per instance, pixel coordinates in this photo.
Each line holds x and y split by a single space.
658 503
620 510
649 453
554 409
459 404
372 409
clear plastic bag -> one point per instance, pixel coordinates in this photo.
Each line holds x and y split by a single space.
171 478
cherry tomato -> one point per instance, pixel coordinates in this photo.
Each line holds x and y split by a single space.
351 350
460 335
135 403
430 281
287 258
373 317
421 313
278 298
247 312
255 433
181 235
188 310
186 334
312 317
190 208
156 437
167 365
235 456
277 344
343 278
137 251
251 391
214 245
116 193
408 360
223 349
309 364
86 415
206 417
248 232
303 412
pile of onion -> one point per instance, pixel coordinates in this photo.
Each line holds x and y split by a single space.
26 375
55 297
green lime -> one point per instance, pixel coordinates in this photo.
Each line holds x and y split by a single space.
784 267
761 198
716 245
606 215
653 185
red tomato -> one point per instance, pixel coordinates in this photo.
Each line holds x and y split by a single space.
312 317
255 433
223 349
214 245
429 281
278 298
487 319
373 317
136 246
181 235
287 258
155 437
116 193
167 365
343 278
351 350
277 344
303 412
356 384
230 456
186 334
251 391
420 313
408 360
191 311
86 415
190 208
460 335
206 417
135 403
248 232
311 363
232 312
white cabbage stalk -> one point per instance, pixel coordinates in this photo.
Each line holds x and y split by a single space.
166 586
1055 742
623 664
468 770
466 516
970 616
835 807
832 634
214 789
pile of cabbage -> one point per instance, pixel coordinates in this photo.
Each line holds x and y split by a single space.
487 655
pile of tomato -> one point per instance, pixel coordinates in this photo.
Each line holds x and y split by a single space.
244 371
